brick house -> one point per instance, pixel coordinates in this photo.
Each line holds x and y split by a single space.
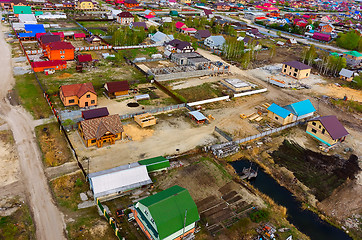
81 94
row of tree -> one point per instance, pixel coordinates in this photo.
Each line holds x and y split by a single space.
326 63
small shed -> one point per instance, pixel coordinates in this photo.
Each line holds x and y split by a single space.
116 89
84 59
292 41
95 113
155 164
173 13
142 97
145 120
197 116
79 36
346 74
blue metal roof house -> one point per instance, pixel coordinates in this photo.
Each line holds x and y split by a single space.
279 114
292 112
302 109
31 30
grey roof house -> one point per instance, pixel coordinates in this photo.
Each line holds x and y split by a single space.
215 42
346 74
161 38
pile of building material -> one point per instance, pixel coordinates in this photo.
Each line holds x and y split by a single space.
224 150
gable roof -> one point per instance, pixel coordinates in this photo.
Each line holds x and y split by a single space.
203 33
78 89
139 24
22 9
85 58
179 44
125 15
168 210
95 113
113 87
353 53
48 38
301 108
180 24
156 163
79 35
161 37
346 73
34 28
60 45
52 63
117 179
218 40
98 127
333 126
278 110
297 65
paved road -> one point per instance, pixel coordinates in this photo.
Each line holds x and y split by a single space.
48 219
299 39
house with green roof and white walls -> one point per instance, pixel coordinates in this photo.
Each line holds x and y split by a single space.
170 214
353 58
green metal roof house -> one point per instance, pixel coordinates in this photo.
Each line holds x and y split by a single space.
155 164
22 10
170 214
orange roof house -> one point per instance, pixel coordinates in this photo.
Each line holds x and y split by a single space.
59 51
81 94
97 131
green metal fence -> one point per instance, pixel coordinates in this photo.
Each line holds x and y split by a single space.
110 220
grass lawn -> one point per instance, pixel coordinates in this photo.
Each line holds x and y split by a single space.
98 32
53 145
31 96
87 24
67 188
349 105
201 92
89 225
18 225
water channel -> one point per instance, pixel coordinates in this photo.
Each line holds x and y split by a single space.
306 221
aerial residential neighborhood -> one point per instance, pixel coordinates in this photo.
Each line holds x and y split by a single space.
181 119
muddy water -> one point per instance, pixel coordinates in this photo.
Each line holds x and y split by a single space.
306 221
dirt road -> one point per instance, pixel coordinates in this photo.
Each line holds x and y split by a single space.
48 219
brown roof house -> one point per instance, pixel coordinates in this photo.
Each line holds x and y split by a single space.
81 94
97 131
116 89
296 69
327 129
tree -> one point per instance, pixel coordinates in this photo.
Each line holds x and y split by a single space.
348 40
136 18
272 51
233 49
360 45
195 46
152 29
309 55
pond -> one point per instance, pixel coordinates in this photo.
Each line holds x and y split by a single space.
306 221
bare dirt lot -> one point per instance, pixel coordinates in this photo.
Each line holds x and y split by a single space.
9 163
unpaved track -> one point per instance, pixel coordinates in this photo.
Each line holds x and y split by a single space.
48 219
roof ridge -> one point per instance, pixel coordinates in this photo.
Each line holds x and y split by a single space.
166 198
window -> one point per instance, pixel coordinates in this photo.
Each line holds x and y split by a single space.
323 131
313 123
146 212
295 74
320 126
88 96
71 101
314 131
295 70
285 70
276 118
60 52
93 101
93 141
62 56
152 221
307 75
